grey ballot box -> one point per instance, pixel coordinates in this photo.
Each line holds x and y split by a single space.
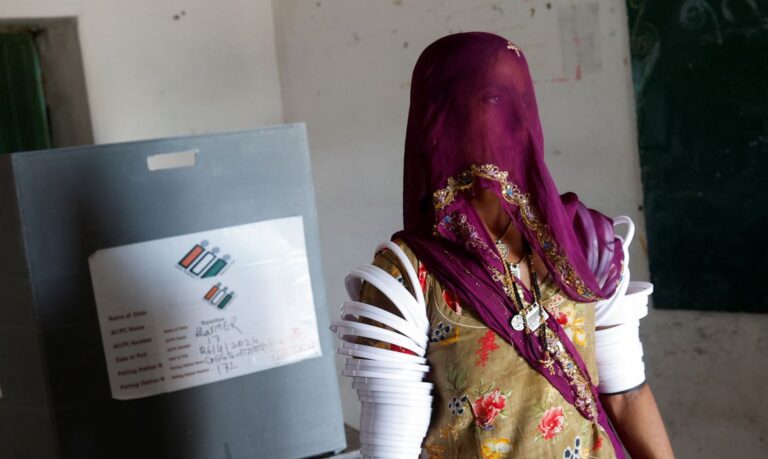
57 207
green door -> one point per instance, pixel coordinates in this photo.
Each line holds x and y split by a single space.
23 116
700 71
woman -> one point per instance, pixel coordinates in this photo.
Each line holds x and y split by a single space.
511 271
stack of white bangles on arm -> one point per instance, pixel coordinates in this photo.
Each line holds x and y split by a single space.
618 350
396 401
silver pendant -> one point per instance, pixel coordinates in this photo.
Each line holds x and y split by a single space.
514 269
535 317
517 322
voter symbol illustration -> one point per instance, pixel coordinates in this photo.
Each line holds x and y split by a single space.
201 262
219 296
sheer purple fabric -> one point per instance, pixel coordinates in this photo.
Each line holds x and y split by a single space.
473 123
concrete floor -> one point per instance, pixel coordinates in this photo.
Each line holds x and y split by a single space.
709 372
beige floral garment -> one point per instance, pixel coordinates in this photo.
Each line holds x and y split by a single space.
488 402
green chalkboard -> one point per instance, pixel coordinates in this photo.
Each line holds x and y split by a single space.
23 114
700 71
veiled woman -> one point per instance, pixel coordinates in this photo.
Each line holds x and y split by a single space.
512 272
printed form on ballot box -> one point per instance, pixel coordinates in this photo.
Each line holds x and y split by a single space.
198 308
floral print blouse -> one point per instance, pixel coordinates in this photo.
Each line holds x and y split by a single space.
488 402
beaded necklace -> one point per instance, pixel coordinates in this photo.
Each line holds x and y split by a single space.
532 318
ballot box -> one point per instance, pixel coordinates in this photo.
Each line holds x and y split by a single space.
164 299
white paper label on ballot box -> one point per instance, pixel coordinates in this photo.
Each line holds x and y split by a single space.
199 308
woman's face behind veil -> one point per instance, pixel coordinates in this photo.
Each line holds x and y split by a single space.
473 124
493 111
495 118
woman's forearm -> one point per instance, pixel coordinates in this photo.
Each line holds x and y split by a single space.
638 422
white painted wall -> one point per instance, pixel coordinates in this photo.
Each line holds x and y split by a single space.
345 67
149 74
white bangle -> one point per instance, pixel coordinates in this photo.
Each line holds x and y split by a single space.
618 350
396 402
619 356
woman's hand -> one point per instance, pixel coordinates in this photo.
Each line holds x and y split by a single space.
638 422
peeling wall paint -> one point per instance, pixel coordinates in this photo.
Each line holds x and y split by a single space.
580 38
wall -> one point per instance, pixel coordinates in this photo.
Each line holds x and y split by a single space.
345 69
156 69
177 67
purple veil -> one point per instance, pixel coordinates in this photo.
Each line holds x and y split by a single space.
473 123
